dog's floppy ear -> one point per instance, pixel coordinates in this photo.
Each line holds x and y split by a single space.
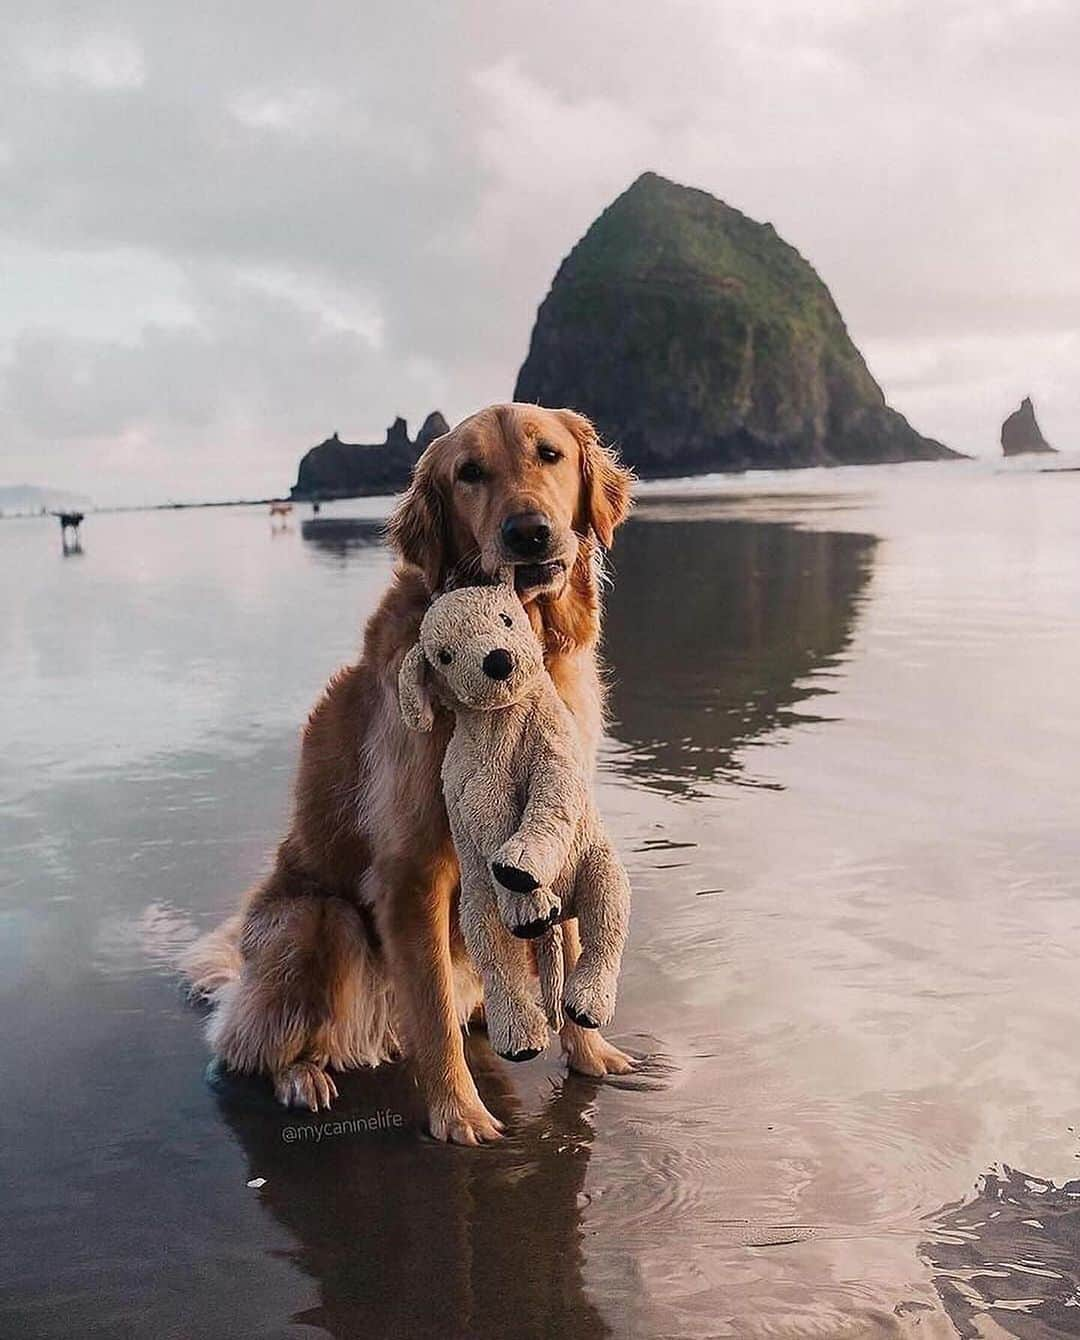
606 480
417 707
417 527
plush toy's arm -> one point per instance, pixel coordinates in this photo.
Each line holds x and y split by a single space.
557 791
515 1027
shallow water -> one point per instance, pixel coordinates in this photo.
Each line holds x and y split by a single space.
843 773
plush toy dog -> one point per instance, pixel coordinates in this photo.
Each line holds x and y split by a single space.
530 843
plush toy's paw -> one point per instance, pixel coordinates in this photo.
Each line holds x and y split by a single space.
530 917
533 929
517 1030
526 1054
589 999
515 879
580 1017
527 913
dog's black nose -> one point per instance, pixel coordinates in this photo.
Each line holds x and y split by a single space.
527 535
498 664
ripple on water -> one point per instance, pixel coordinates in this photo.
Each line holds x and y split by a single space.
719 1176
1011 1252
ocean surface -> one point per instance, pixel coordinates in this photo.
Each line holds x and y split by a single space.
844 771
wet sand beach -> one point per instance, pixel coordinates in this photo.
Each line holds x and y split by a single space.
842 770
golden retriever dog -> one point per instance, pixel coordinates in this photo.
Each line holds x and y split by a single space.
348 953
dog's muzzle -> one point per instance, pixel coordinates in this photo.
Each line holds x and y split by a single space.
538 576
527 535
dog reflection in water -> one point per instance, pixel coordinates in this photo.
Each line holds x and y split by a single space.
405 1237
280 512
70 532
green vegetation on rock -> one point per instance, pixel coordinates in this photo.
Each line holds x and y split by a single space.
698 339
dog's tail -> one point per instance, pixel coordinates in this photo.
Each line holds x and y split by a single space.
213 961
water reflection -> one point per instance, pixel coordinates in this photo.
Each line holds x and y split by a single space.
408 1238
1011 1252
713 630
872 1001
341 536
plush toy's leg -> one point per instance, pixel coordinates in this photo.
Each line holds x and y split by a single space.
602 905
549 965
516 1028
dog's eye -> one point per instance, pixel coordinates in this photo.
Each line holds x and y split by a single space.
446 656
507 620
470 472
548 453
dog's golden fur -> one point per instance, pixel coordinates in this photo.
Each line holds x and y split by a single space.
349 953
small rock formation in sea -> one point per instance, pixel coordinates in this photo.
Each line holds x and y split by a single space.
336 469
699 340
1020 433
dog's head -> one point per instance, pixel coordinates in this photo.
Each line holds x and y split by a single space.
477 646
512 486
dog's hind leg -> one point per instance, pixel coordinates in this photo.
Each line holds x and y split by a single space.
213 961
310 993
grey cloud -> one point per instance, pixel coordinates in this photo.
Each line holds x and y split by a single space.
362 206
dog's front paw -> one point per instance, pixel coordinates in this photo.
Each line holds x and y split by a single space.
589 1053
462 1119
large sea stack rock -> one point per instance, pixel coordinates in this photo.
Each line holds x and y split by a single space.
1020 433
336 469
699 340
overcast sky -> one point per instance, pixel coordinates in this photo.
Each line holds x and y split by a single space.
227 230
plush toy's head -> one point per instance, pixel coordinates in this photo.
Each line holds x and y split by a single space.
477 645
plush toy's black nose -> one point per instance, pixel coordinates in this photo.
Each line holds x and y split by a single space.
527 535
498 664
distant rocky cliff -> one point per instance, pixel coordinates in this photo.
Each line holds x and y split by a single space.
336 469
1020 433
699 340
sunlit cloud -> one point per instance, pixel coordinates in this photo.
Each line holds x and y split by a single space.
103 61
293 111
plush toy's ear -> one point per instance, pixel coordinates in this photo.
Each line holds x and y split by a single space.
413 693
417 527
607 482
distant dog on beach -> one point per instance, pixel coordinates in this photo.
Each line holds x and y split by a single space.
349 951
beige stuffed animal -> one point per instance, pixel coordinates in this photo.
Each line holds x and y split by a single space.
530 843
